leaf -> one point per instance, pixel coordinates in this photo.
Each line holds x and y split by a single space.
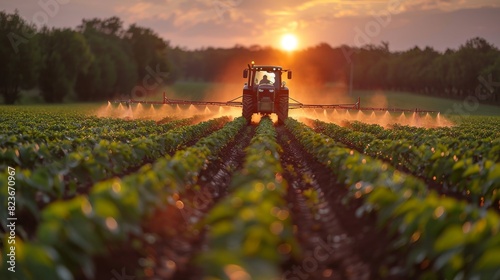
105 208
451 237
459 165
471 170
494 172
49 232
490 259
39 262
57 210
222 228
445 258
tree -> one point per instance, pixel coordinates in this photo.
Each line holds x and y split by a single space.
19 54
66 54
113 70
471 59
149 52
368 59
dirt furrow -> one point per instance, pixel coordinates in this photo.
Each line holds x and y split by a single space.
333 240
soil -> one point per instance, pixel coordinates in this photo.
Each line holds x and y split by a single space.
336 244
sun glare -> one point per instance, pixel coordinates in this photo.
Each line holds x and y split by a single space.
289 42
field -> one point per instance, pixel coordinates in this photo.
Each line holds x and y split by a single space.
163 192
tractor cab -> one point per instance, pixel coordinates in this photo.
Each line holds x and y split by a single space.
265 75
265 92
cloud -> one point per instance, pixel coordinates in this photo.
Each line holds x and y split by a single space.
229 22
197 23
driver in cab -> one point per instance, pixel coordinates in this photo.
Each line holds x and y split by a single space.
264 80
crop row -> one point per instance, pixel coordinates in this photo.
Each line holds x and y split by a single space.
30 127
470 129
456 169
66 177
465 142
72 231
62 178
27 149
447 237
476 141
39 125
256 236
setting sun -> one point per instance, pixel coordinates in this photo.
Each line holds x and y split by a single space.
289 42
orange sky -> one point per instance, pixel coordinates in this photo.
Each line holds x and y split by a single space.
224 23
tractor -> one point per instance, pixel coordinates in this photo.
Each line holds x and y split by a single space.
265 92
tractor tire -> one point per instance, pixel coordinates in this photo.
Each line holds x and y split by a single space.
248 107
282 110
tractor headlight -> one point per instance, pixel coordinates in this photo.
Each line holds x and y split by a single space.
261 90
271 90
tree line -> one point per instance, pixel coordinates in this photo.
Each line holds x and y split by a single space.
472 69
98 60
101 60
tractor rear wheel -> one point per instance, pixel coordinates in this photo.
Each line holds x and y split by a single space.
282 111
248 107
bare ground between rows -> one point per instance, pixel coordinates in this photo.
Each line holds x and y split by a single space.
335 243
172 237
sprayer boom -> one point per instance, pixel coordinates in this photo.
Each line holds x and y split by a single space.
291 105
265 92
231 103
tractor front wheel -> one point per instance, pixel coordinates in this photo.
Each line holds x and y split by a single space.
282 111
248 105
